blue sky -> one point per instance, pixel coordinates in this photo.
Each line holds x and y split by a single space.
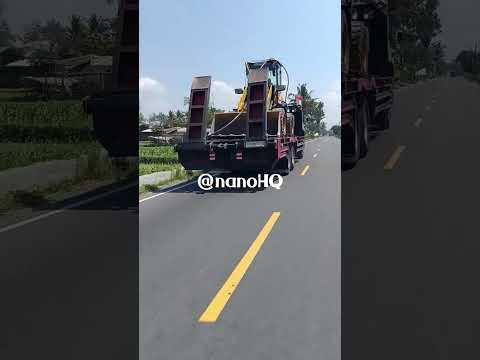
185 38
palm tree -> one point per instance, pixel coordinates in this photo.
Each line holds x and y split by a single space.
304 92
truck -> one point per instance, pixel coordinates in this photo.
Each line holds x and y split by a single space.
115 111
367 76
264 133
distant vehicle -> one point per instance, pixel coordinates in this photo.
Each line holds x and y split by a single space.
317 134
453 74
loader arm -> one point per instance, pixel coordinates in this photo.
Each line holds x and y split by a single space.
241 105
242 101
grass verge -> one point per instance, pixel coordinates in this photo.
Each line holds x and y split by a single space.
46 196
14 155
178 177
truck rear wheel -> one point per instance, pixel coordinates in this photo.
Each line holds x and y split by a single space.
384 120
286 164
351 142
363 128
291 158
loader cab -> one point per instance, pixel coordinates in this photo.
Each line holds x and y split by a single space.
274 70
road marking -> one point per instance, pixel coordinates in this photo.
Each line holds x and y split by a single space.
74 205
390 164
211 314
315 155
418 122
166 192
305 170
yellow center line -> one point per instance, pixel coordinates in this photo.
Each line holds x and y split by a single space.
305 170
211 314
390 164
418 122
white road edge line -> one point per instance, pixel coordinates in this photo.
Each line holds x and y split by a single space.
166 192
315 155
74 205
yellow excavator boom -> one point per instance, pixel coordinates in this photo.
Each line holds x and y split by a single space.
243 99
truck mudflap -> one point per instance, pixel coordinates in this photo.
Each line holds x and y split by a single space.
202 156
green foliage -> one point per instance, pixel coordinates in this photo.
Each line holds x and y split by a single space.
142 122
335 130
419 24
157 158
145 169
15 155
81 36
313 112
211 113
51 113
45 122
6 36
158 154
171 119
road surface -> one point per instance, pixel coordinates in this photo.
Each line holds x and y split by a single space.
68 279
410 245
287 303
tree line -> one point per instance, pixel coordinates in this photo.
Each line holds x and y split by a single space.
313 115
78 36
415 25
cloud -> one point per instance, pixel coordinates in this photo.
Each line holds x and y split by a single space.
332 104
153 96
223 95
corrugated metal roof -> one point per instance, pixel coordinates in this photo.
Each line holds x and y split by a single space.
20 63
94 60
102 61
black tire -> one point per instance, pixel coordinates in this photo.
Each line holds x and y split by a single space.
300 154
349 160
384 120
363 128
291 158
287 163
347 165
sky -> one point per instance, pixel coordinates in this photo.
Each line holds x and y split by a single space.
186 38
460 25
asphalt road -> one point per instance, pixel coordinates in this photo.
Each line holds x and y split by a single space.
286 306
67 282
410 247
